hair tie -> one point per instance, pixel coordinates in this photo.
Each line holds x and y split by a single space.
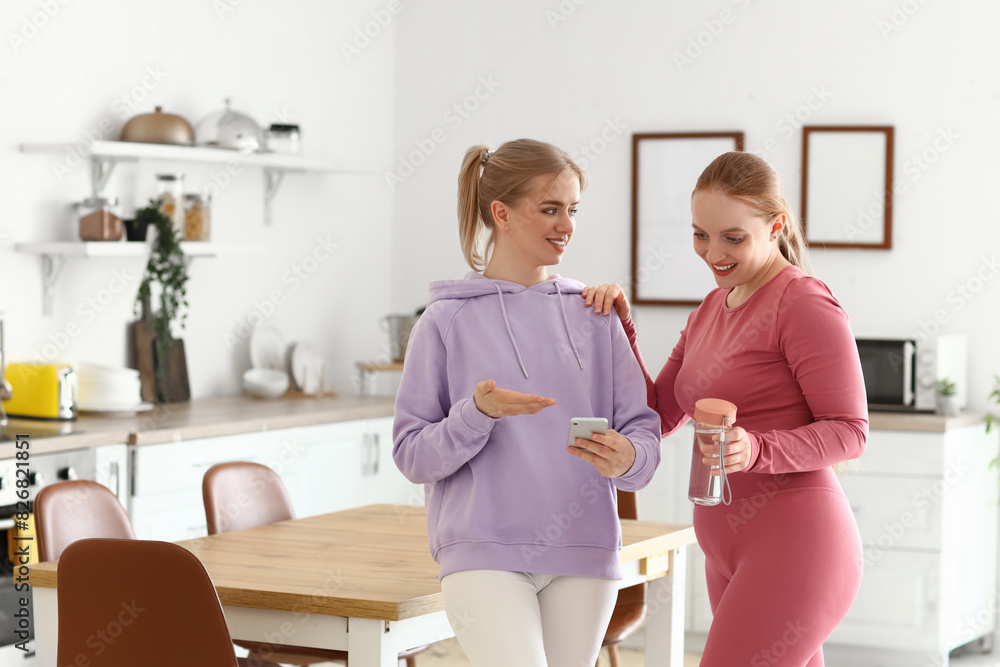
487 155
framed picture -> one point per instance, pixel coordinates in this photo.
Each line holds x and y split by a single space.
665 168
847 186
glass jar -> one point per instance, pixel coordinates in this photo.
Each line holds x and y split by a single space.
98 219
283 138
197 217
169 189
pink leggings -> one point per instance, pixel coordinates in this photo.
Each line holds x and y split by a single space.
783 569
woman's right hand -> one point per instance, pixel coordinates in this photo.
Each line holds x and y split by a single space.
605 297
496 403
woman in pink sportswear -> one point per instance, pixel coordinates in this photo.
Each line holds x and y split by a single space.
784 560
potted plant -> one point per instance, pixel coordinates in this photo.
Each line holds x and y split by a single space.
159 355
947 404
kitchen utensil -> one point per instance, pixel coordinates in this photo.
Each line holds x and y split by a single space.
265 382
196 217
308 368
398 327
267 349
169 196
283 138
45 391
144 337
158 128
112 409
175 386
230 129
98 221
104 385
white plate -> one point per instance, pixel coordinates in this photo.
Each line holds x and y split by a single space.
308 368
267 349
111 408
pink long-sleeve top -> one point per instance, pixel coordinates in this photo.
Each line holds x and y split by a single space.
787 359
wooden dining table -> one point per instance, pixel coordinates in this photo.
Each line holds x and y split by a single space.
363 580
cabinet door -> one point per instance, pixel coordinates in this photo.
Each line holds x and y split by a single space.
898 606
334 467
383 482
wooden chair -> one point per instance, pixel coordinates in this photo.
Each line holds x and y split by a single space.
139 602
239 495
69 511
630 610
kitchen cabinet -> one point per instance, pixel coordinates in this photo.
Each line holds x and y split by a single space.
926 502
326 467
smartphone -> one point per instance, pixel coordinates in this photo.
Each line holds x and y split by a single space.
583 427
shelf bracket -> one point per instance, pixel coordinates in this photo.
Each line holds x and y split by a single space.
51 267
100 171
272 181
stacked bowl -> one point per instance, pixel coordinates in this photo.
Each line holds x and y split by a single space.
108 389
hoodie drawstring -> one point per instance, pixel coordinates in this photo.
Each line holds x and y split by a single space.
569 334
510 334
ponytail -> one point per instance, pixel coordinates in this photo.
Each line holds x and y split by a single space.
472 224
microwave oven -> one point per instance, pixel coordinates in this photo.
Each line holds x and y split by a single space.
901 374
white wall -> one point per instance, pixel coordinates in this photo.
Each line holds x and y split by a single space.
565 80
65 80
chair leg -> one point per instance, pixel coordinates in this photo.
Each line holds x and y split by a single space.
615 659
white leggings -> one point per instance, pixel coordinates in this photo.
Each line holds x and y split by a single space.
528 620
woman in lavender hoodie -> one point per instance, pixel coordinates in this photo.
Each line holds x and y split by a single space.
524 527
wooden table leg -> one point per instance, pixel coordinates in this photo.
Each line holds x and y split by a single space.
665 614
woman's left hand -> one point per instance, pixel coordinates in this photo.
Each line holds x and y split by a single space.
737 452
612 453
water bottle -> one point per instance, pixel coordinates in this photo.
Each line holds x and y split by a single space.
712 417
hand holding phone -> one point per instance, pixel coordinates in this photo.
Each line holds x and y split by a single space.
584 427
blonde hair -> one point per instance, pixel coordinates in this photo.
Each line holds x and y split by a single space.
501 175
750 179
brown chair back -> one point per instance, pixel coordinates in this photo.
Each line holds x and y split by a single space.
69 511
124 603
241 494
630 610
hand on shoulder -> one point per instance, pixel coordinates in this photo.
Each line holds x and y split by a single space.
605 297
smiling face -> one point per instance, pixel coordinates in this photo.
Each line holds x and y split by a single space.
738 245
535 230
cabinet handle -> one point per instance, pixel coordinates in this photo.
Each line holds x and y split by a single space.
378 453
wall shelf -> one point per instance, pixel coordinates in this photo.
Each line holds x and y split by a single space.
105 155
55 253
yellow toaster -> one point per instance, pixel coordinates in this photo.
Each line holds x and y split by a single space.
42 391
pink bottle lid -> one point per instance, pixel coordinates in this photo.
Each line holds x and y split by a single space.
714 411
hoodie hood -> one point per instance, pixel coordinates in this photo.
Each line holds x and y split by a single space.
475 285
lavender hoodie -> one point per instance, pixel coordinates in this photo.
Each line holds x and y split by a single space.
504 494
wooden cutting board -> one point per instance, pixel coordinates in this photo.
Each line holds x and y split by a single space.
145 354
